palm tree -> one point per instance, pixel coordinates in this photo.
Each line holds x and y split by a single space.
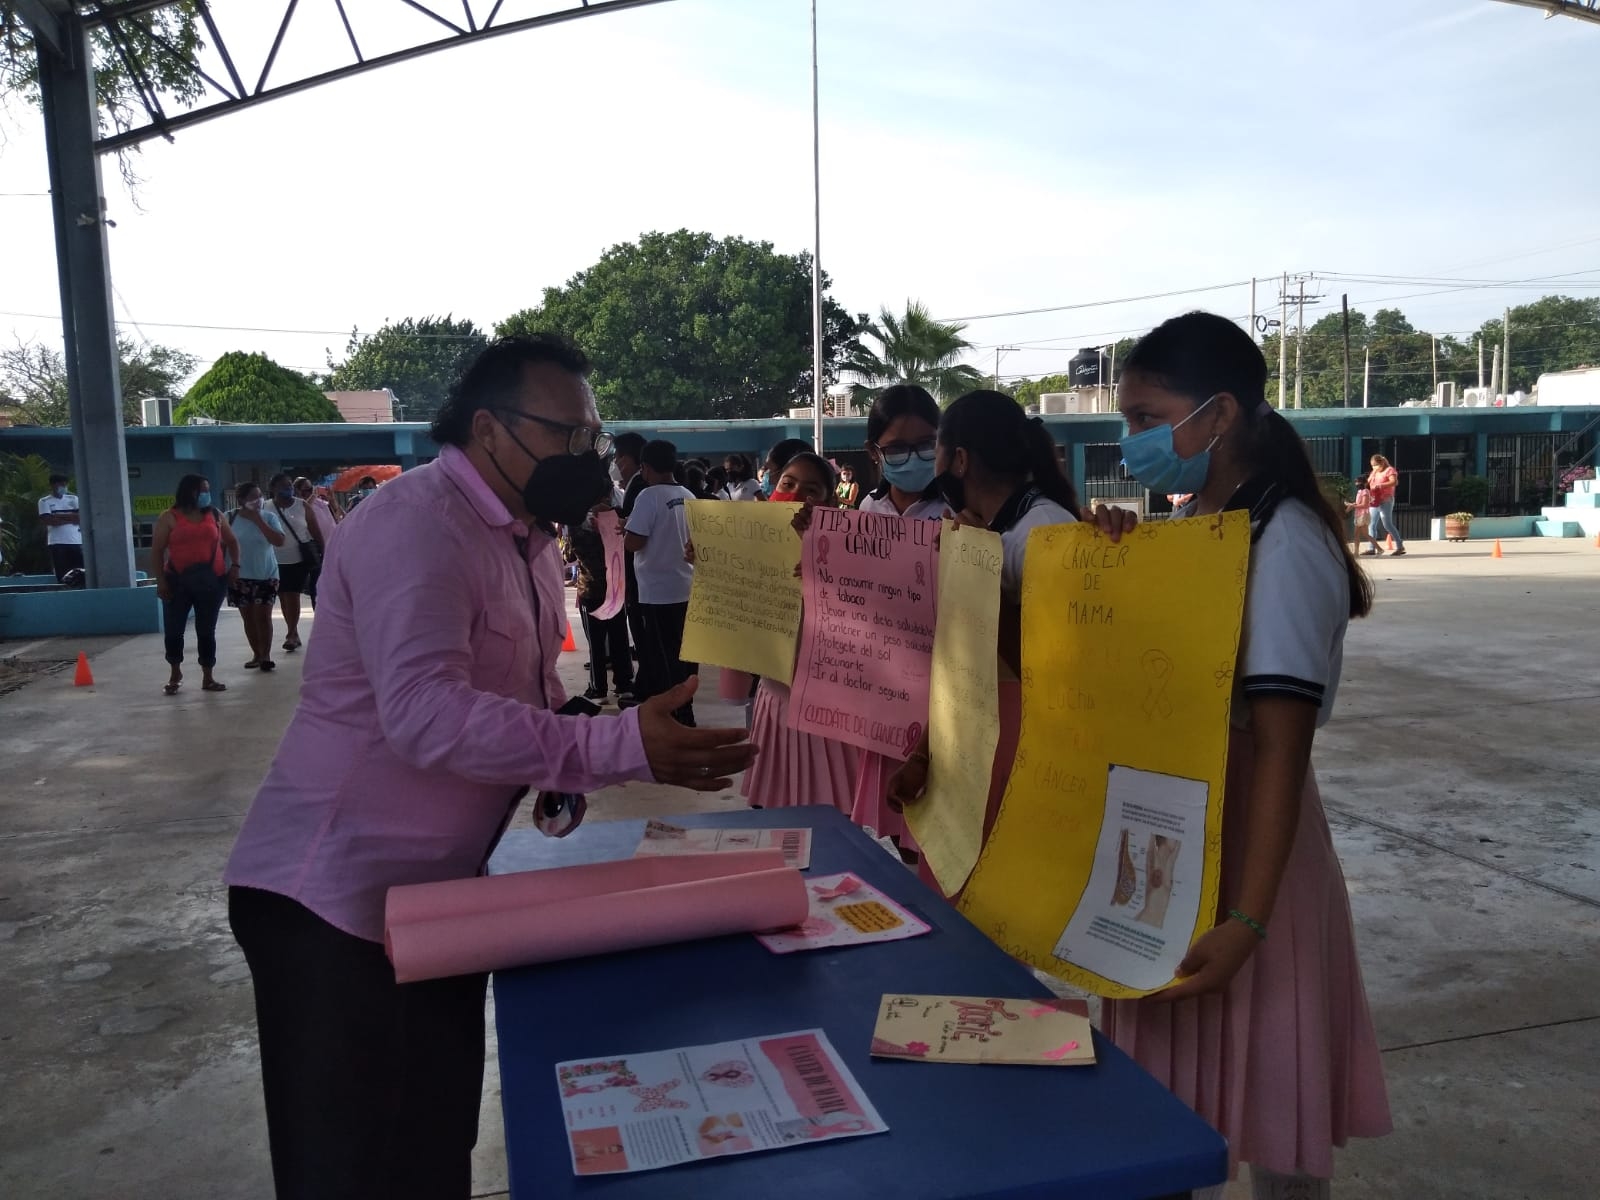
912 348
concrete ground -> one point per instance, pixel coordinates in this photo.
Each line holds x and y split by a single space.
1461 777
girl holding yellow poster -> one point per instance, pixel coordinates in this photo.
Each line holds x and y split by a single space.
1268 1035
997 468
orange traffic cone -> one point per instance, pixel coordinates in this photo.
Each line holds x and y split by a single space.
1496 552
569 644
83 677
1597 541
1390 546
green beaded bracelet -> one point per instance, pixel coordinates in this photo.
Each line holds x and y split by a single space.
1261 930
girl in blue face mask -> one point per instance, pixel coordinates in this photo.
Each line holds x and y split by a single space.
902 430
1193 394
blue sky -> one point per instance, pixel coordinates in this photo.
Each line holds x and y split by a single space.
982 155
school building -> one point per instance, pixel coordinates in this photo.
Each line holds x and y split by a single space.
1519 450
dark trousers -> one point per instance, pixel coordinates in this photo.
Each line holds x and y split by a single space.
608 647
372 1087
660 668
204 593
64 559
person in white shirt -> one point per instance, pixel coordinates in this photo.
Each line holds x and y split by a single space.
742 483
58 513
300 552
320 519
656 532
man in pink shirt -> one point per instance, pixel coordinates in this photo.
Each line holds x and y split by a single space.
429 707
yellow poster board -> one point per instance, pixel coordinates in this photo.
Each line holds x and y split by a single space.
963 705
744 608
152 506
1104 864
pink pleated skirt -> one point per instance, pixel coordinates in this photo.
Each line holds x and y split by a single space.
734 685
1284 1063
1005 752
869 805
795 768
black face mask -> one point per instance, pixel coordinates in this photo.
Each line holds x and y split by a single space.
563 487
953 490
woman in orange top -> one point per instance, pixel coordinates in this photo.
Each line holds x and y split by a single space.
186 553
1382 484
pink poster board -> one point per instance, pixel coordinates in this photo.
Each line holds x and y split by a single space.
464 926
609 525
866 640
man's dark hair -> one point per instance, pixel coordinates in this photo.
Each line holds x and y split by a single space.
659 456
280 477
493 379
630 444
55 479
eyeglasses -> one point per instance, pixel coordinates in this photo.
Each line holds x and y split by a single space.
897 454
580 438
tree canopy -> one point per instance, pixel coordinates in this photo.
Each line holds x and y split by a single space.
417 359
33 379
251 389
684 324
913 348
161 45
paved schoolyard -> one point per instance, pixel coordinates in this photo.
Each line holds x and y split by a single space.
1461 775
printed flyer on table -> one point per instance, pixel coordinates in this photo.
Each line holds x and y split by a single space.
643 1111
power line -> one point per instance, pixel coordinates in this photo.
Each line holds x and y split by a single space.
1028 312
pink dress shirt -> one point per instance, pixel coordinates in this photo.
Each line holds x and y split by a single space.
425 704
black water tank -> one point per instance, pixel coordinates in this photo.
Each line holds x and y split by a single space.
1085 368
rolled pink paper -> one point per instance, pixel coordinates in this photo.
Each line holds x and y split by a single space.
519 889
571 919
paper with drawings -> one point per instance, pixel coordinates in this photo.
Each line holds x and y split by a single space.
984 1029
662 838
1129 651
845 910
637 1112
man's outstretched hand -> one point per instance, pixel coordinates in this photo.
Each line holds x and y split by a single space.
703 760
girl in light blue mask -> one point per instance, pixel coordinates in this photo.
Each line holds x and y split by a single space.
902 433
1269 1039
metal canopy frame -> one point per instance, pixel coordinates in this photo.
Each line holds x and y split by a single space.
66 34
476 21
1583 10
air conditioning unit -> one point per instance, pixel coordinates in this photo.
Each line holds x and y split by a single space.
155 410
1445 394
1059 403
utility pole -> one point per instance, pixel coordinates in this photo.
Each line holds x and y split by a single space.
1366 377
998 351
1252 308
1494 371
1505 355
1111 380
1480 361
816 252
1435 342
1283 335
1344 302
1299 337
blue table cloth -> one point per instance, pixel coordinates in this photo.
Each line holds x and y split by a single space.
1106 1132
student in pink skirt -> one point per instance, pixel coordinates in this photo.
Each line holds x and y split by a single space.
796 768
1268 1035
902 429
997 467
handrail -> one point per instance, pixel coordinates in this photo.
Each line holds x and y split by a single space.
1558 451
